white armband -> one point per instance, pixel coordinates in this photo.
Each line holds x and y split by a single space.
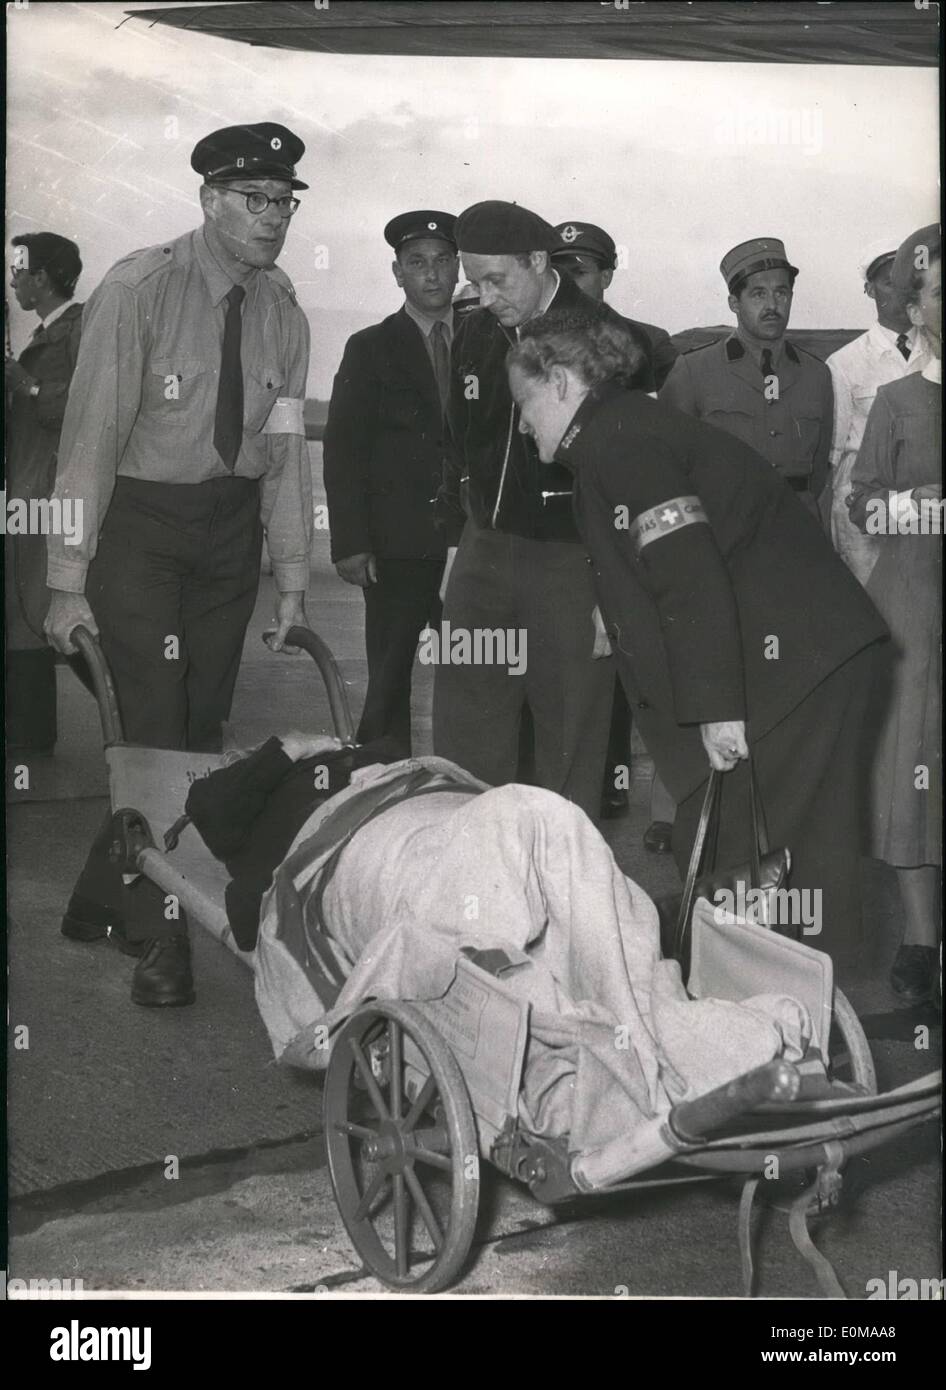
286 417
661 521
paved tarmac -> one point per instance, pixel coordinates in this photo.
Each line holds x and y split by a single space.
106 1093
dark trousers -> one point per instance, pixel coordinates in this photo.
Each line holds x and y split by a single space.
618 760
541 589
397 609
809 771
172 587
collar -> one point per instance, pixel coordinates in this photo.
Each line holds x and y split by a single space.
933 371
885 339
589 407
218 282
738 347
546 301
425 322
50 319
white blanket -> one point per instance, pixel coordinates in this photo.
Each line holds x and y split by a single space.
614 1039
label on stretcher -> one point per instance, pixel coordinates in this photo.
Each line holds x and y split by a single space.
485 1025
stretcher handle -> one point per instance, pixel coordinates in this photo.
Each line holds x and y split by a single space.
321 654
103 687
695 1120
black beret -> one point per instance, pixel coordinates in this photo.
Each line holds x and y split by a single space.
413 226
503 229
585 239
264 151
49 251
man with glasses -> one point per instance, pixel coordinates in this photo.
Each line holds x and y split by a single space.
184 440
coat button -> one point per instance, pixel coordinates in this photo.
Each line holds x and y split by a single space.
773 434
643 704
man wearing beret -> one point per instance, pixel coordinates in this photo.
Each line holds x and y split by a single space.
755 383
589 255
183 438
890 349
383 457
520 567
45 270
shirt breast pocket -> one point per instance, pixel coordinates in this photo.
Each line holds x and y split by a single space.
174 388
262 387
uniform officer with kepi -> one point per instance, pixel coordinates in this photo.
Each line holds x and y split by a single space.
383 457
184 441
755 383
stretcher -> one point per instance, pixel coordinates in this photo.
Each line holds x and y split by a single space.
417 1095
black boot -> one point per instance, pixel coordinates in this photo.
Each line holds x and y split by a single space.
85 920
162 976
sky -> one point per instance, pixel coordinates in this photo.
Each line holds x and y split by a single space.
678 161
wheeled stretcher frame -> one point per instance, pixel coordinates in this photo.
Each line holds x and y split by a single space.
416 1094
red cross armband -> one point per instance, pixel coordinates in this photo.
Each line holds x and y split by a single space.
664 519
285 417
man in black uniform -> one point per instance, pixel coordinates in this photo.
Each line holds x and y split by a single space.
755 383
589 255
520 566
383 456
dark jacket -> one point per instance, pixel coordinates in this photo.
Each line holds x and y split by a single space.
383 445
484 424
725 600
33 425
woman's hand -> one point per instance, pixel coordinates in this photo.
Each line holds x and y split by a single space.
299 746
725 744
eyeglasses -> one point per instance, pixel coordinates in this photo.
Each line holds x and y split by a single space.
258 202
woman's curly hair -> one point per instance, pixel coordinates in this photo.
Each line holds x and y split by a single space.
596 349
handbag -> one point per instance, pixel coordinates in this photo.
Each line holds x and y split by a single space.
766 871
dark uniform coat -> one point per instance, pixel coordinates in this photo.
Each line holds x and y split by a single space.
722 384
713 558
383 446
489 458
32 439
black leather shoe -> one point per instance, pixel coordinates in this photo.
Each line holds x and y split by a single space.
118 937
658 837
162 977
614 804
85 920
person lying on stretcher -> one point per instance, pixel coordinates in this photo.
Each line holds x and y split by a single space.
386 871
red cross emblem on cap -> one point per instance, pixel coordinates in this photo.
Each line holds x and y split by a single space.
275 143
569 233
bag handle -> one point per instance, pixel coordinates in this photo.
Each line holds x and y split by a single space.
709 815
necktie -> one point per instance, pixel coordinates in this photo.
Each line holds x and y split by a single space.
766 362
228 419
903 347
438 338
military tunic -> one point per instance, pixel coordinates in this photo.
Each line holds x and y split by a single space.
789 424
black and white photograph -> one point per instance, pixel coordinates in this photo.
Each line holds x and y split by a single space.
472 530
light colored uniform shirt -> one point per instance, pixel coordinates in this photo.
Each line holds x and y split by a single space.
857 371
144 397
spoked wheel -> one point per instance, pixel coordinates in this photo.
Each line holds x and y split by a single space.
849 1051
402 1147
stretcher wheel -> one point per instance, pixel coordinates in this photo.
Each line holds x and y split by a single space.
402 1147
848 1048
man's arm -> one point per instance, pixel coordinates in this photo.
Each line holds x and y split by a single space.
286 495
679 389
820 464
843 408
346 451
99 416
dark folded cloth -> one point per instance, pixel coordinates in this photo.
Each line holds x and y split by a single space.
249 812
